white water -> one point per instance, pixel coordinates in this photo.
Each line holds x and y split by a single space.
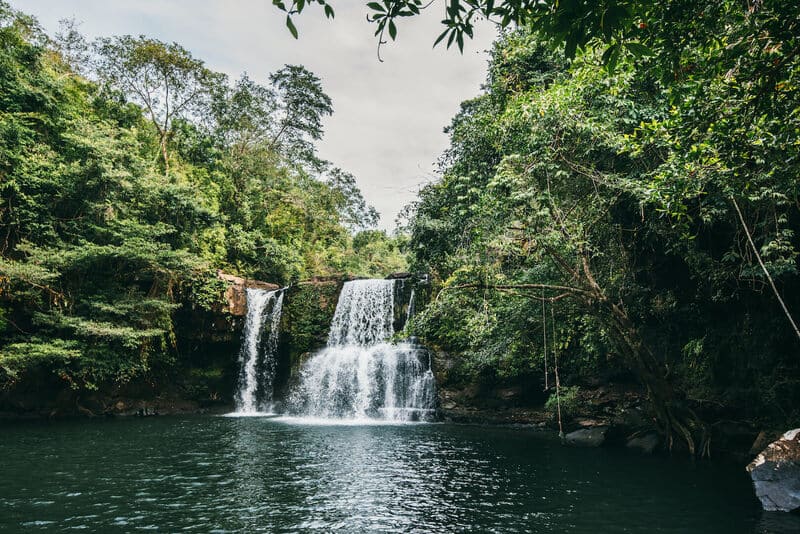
364 314
410 311
257 355
360 375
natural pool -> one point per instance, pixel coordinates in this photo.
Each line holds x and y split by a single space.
222 474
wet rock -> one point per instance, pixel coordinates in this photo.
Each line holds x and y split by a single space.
587 437
776 474
646 443
235 296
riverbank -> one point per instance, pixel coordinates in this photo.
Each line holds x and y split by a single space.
608 415
617 410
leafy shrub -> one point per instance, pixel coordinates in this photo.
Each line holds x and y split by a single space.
569 400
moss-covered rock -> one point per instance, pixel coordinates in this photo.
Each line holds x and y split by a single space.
308 309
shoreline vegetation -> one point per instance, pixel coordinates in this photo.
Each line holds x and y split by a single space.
612 241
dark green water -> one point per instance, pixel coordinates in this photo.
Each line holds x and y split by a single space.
216 474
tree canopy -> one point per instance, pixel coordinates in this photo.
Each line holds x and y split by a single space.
630 222
668 30
124 190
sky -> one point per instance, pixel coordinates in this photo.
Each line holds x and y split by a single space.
388 116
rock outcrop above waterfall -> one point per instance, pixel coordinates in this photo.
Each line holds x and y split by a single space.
776 474
235 296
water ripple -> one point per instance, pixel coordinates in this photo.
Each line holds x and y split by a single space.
289 475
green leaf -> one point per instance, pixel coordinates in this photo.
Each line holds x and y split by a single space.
610 57
451 38
329 11
392 30
290 25
441 37
638 49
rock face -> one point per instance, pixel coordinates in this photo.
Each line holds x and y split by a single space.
235 295
776 473
587 437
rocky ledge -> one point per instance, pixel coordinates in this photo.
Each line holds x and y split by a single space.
776 474
235 296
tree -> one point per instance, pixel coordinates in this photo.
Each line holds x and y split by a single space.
245 115
348 201
608 196
302 104
163 78
104 255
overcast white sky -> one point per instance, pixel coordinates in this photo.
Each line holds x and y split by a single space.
388 117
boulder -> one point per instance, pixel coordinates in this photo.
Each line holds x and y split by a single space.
587 437
646 443
776 473
235 296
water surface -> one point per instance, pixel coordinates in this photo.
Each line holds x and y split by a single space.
218 474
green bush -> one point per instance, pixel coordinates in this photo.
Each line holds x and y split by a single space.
569 400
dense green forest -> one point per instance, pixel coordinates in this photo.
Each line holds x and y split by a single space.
621 200
630 206
130 173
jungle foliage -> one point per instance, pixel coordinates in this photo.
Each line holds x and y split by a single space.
636 216
130 173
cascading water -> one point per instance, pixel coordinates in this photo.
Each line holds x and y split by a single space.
364 314
411 310
258 353
360 375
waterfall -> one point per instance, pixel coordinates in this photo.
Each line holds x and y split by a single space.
258 353
364 314
360 374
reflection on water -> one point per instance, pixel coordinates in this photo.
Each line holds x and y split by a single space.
283 475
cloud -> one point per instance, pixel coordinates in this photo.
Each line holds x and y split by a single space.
389 116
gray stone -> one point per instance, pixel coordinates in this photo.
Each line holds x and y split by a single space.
587 437
776 474
646 443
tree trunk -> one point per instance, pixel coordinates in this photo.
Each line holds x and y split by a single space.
671 412
165 154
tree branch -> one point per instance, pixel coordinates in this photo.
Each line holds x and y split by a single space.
764 268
